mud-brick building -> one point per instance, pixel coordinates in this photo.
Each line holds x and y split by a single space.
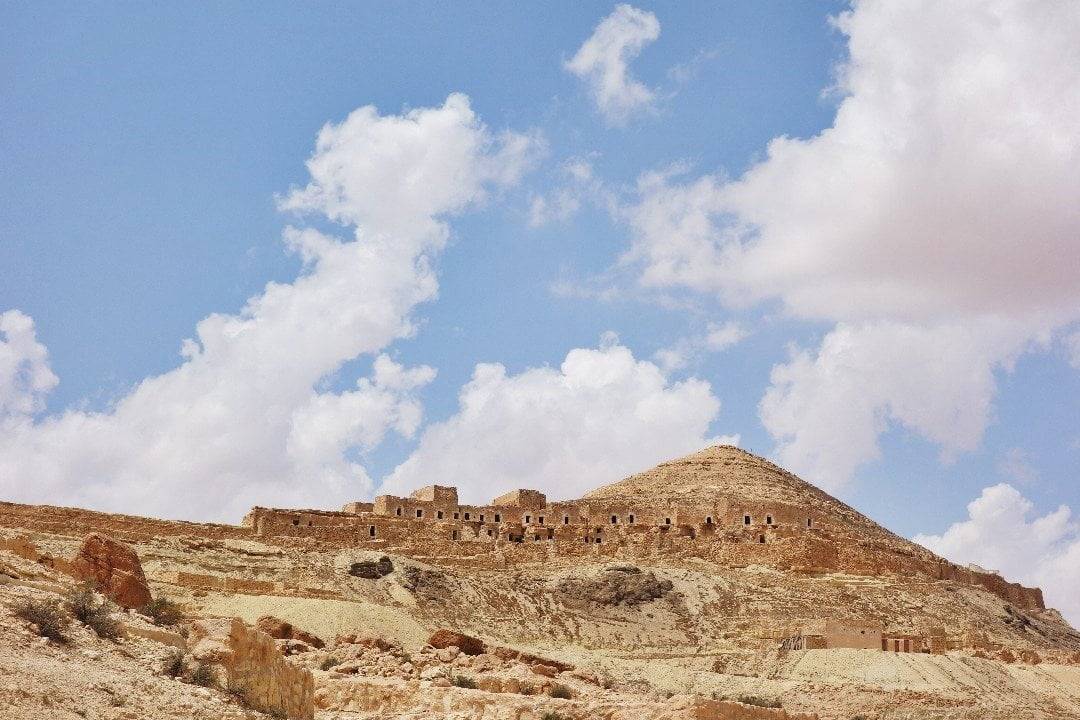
828 634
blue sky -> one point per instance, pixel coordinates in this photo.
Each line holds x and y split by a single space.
861 302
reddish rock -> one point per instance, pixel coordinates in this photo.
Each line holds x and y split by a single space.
114 568
282 630
545 670
508 654
467 644
365 641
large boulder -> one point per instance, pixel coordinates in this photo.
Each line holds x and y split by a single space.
114 568
281 630
465 643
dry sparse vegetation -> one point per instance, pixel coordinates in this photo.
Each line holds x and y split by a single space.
202 675
47 617
163 611
94 614
463 681
174 664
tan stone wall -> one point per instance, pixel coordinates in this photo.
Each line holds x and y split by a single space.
855 635
531 499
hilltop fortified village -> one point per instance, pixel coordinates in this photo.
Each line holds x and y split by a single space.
705 584
724 526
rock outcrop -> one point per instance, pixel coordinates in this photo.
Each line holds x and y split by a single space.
451 638
114 568
254 668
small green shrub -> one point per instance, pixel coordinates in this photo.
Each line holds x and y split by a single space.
463 681
561 692
174 664
94 615
202 675
758 701
51 621
163 611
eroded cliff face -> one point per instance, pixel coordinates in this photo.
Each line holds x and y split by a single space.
648 612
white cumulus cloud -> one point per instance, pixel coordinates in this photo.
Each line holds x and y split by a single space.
603 62
1001 534
598 417
940 207
25 376
827 408
244 419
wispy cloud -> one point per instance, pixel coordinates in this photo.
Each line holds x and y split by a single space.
603 63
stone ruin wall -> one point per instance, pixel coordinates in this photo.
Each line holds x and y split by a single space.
522 526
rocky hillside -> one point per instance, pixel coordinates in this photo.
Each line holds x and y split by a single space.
311 625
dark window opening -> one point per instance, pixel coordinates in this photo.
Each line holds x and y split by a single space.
631 518
399 512
438 515
597 541
309 523
498 517
541 519
614 519
481 518
419 513
745 519
371 531
565 519
454 535
667 521
466 516
528 519
761 539
536 539
708 520
768 519
809 522
456 516
489 532
295 522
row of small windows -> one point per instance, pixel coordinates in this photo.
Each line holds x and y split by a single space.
747 519
439 515
597 538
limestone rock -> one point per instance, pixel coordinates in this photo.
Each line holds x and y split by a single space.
114 568
466 643
254 667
